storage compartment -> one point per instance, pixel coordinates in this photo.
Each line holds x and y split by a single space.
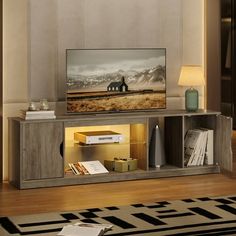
204 129
203 121
165 135
132 145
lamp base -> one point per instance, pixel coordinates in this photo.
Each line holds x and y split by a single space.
191 100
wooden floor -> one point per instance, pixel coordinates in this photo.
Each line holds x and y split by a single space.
18 202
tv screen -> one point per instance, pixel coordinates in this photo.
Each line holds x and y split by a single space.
112 80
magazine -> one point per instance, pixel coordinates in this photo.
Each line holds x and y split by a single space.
88 167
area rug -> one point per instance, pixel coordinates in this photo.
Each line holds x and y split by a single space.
200 216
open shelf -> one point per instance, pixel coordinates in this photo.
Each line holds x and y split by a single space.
133 144
82 145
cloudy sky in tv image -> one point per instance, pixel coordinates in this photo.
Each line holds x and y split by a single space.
95 69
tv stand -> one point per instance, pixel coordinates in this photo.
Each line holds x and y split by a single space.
40 150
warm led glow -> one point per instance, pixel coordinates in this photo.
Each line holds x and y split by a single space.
191 76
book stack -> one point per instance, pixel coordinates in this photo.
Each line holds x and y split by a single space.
87 168
198 147
38 114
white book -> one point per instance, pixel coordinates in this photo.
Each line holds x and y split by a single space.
209 148
37 115
196 149
38 112
85 229
104 227
94 167
202 153
199 150
74 230
203 148
190 143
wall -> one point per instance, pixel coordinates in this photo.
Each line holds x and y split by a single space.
99 24
37 33
15 65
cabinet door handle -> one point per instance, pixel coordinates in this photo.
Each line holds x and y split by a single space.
62 149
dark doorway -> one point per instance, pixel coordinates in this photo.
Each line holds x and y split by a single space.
228 59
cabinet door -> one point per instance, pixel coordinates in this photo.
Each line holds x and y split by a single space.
41 150
223 149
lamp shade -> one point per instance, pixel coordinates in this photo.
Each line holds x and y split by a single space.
191 75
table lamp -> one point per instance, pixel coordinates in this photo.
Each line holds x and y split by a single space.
191 75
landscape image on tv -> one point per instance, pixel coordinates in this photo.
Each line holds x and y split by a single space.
104 80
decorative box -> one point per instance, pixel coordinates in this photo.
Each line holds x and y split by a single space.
121 166
132 164
109 164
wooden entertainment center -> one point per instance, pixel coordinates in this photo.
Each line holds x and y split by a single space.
40 150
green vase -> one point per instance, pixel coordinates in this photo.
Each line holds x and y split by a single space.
191 100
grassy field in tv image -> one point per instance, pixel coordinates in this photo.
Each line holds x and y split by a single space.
93 102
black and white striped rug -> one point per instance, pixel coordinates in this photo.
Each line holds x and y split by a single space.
200 216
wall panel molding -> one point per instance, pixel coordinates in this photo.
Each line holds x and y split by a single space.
212 50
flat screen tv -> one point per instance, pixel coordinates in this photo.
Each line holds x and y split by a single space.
115 80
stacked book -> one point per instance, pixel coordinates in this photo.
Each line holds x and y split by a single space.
198 147
87 168
38 114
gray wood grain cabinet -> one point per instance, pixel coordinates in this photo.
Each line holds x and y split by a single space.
41 157
40 150
34 150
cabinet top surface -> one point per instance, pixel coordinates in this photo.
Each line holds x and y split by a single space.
128 115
